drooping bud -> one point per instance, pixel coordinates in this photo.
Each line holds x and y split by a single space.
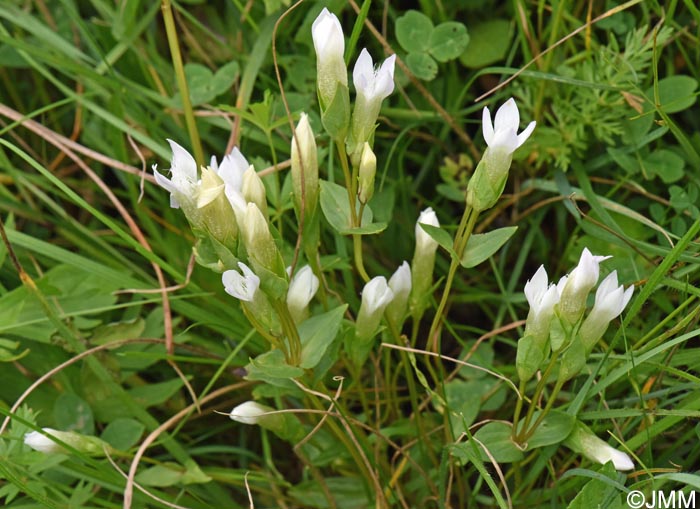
368 169
284 425
583 441
42 441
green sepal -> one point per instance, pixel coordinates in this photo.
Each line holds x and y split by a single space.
336 117
530 356
212 254
572 361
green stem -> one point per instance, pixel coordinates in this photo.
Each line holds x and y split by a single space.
550 401
464 231
179 69
518 407
535 397
290 331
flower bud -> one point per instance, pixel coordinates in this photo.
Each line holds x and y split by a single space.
400 285
304 167
368 169
284 425
302 289
249 412
243 287
253 189
259 244
583 441
610 300
376 296
575 287
42 442
542 298
329 43
372 87
423 264
489 179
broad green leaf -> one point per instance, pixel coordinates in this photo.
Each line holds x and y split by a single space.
463 401
161 476
665 163
312 495
123 433
413 31
271 365
336 209
155 393
448 41
488 43
366 229
205 86
317 333
440 236
422 66
601 491
482 246
676 93
73 413
553 429
496 438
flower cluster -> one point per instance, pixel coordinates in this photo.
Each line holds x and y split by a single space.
555 321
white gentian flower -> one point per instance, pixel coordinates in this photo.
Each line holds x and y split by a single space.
249 412
574 290
372 87
244 286
584 441
376 296
40 442
231 169
542 298
85 444
423 264
329 43
425 244
503 132
253 189
610 300
304 159
400 284
183 183
302 289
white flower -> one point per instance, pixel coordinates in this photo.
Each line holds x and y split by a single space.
373 84
304 159
503 132
425 244
231 169
183 183
376 295
302 289
42 443
329 43
542 298
400 284
249 412
575 288
584 441
243 287
610 300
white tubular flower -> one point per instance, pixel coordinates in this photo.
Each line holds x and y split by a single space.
503 134
376 296
304 160
574 290
372 87
244 286
183 182
253 189
400 284
610 300
584 441
424 242
40 442
85 444
249 412
329 43
542 298
302 289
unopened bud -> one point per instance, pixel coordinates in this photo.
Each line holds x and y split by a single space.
368 169
304 167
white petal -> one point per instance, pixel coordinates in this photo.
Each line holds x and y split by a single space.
327 35
363 72
377 294
400 281
536 287
523 136
487 126
507 116
384 84
182 164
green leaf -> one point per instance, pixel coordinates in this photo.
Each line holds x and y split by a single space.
488 44
600 491
73 413
464 401
483 245
448 41
553 429
422 66
271 365
440 236
155 393
496 438
336 209
160 476
317 333
205 86
666 164
413 31
123 433
676 93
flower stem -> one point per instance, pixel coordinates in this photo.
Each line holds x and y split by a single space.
179 69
